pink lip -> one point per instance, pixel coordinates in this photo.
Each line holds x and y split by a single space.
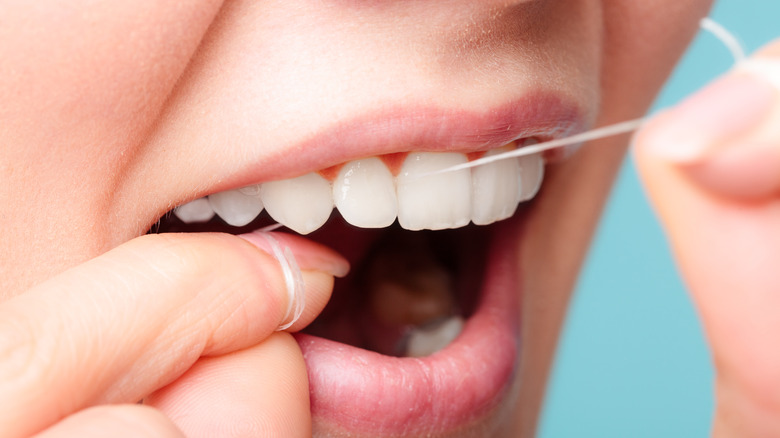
360 391
404 129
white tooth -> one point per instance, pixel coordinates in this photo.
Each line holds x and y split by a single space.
425 341
253 190
495 189
531 174
302 204
196 211
364 193
433 202
237 207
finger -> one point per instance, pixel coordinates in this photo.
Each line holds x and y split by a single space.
260 391
712 168
129 322
120 421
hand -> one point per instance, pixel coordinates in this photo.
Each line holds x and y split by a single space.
185 320
712 168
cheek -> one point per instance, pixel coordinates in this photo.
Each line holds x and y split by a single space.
642 42
87 78
81 83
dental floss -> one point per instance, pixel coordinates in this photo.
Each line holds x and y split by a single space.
270 228
293 278
727 38
605 131
721 33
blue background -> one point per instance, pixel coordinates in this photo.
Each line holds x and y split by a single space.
632 360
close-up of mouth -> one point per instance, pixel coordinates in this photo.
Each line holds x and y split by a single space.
325 218
423 335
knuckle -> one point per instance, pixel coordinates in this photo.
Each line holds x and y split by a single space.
129 420
755 382
199 257
762 386
227 275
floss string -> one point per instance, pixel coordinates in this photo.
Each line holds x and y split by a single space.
293 278
721 33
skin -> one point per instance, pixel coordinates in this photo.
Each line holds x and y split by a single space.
730 183
117 115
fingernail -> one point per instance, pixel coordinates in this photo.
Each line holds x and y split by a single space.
310 255
731 106
767 69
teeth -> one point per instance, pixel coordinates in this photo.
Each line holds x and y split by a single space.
364 193
253 190
302 204
194 212
424 341
368 196
237 207
495 189
531 174
433 202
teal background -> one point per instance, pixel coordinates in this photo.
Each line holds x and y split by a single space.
632 360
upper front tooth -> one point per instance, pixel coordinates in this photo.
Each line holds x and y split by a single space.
195 211
433 202
237 207
302 204
495 189
364 193
531 175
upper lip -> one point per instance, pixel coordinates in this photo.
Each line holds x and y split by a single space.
543 115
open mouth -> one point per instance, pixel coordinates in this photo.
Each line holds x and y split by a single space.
422 337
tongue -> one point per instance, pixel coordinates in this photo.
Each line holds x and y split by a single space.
402 293
405 287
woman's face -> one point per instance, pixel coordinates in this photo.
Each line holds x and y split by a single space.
115 112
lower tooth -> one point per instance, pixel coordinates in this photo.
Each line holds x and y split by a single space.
196 211
237 207
302 204
426 340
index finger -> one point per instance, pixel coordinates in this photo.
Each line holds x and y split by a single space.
132 320
712 167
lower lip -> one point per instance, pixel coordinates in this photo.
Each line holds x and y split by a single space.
358 391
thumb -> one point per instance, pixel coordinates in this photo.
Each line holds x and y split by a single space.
711 166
